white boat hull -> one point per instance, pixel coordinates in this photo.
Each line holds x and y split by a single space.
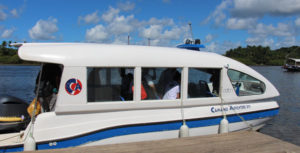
174 133
142 125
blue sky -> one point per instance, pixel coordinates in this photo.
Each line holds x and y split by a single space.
221 25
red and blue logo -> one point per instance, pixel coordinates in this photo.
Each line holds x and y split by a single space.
73 86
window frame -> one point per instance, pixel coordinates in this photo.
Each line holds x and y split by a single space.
106 101
163 100
264 90
220 82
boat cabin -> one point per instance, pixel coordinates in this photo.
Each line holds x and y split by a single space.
293 61
97 77
95 94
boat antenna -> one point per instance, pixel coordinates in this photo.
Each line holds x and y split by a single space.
190 25
148 41
128 38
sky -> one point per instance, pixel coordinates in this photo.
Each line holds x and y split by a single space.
221 25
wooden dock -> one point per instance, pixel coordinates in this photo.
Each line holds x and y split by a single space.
236 142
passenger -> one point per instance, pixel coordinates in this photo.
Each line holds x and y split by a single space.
126 86
147 82
165 79
173 88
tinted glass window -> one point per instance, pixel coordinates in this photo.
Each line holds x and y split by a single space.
110 84
244 84
160 83
203 82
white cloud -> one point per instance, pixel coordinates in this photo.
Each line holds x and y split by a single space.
7 33
3 15
297 22
273 36
110 14
121 25
44 29
96 34
287 42
259 8
172 34
14 13
161 35
212 47
282 30
127 6
122 40
165 21
90 18
241 24
263 41
116 28
208 38
218 16
152 32
221 48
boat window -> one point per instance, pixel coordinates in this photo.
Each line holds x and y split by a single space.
244 84
160 83
110 84
203 82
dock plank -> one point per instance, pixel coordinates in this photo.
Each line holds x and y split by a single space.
235 142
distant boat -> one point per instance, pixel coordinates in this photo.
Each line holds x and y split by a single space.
292 65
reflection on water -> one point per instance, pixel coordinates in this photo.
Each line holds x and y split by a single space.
286 125
19 81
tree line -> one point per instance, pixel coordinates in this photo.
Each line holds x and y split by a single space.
9 54
259 55
250 55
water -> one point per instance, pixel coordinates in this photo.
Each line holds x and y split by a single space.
20 81
286 125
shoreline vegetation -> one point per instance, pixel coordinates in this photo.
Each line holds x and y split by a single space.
250 55
264 56
9 55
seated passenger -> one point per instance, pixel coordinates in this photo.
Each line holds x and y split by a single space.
148 84
164 80
173 88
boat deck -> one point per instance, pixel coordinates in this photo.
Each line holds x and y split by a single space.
236 142
10 138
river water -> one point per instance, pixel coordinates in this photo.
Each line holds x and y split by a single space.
19 81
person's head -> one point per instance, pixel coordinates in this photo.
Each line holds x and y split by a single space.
177 77
145 71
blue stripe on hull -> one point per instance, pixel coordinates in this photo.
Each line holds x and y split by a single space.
137 129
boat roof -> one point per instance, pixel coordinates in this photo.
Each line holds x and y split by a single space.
92 54
295 59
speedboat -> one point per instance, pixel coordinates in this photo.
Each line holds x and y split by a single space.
13 114
292 64
96 94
